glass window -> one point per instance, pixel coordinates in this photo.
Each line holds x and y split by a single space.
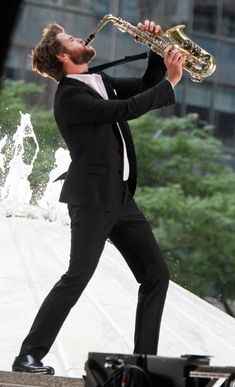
202 113
144 7
225 99
129 10
225 127
205 15
177 12
85 5
199 94
53 2
103 7
198 99
224 114
228 19
225 63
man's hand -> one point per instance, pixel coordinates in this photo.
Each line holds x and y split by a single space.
151 27
173 58
174 61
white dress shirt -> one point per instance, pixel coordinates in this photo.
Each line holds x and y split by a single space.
96 82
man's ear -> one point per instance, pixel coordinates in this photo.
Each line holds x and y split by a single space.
61 57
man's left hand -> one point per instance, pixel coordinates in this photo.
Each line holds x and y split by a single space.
151 27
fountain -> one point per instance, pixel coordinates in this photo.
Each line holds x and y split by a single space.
2 156
16 193
56 211
17 188
35 242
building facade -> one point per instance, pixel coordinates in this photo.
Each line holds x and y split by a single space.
209 23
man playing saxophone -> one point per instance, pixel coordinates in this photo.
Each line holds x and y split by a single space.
91 111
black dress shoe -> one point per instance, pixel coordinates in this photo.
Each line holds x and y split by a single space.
27 363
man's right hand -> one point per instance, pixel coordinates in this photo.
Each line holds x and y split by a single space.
174 61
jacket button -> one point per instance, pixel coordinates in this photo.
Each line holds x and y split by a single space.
120 171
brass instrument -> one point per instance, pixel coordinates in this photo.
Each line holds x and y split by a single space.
199 63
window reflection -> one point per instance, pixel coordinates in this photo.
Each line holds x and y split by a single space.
226 61
228 19
225 99
48 2
129 9
199 94
205 14
103 7
203 113
86 5
225 127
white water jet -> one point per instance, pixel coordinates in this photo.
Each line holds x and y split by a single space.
56 211
16 190
2 155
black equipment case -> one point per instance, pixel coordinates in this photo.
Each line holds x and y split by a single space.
125 370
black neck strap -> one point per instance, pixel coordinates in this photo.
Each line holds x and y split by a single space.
126 59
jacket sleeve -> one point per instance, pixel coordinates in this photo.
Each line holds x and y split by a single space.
128 87
85 108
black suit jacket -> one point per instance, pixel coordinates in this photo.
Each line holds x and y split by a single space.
87 123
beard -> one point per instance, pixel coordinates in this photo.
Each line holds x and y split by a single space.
81 57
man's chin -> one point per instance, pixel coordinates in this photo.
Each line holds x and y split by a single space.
93 57
84 57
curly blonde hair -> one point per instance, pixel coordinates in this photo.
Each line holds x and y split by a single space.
44 55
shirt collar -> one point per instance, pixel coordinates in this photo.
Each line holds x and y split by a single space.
94 80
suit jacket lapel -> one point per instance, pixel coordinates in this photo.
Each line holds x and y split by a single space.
109 88
80 84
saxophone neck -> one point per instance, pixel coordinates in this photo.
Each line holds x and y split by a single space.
106 19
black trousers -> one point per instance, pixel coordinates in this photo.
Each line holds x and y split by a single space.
131 234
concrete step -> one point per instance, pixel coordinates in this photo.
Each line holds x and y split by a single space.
23 379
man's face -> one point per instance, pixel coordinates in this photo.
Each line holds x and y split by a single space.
75 47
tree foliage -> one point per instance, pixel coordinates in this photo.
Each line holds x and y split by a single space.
186 190
15 96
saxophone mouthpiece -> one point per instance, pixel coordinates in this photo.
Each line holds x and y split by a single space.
89 39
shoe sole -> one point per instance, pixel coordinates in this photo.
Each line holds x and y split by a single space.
33 371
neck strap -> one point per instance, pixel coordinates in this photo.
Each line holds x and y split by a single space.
126 59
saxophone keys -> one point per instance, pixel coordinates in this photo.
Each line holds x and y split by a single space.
207 58
196 78
196 51
187 44
189 64
205 67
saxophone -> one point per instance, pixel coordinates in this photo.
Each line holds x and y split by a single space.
199 63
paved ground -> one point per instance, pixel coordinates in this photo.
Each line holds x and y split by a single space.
33 255
22 379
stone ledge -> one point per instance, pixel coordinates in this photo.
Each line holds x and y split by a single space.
23 379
